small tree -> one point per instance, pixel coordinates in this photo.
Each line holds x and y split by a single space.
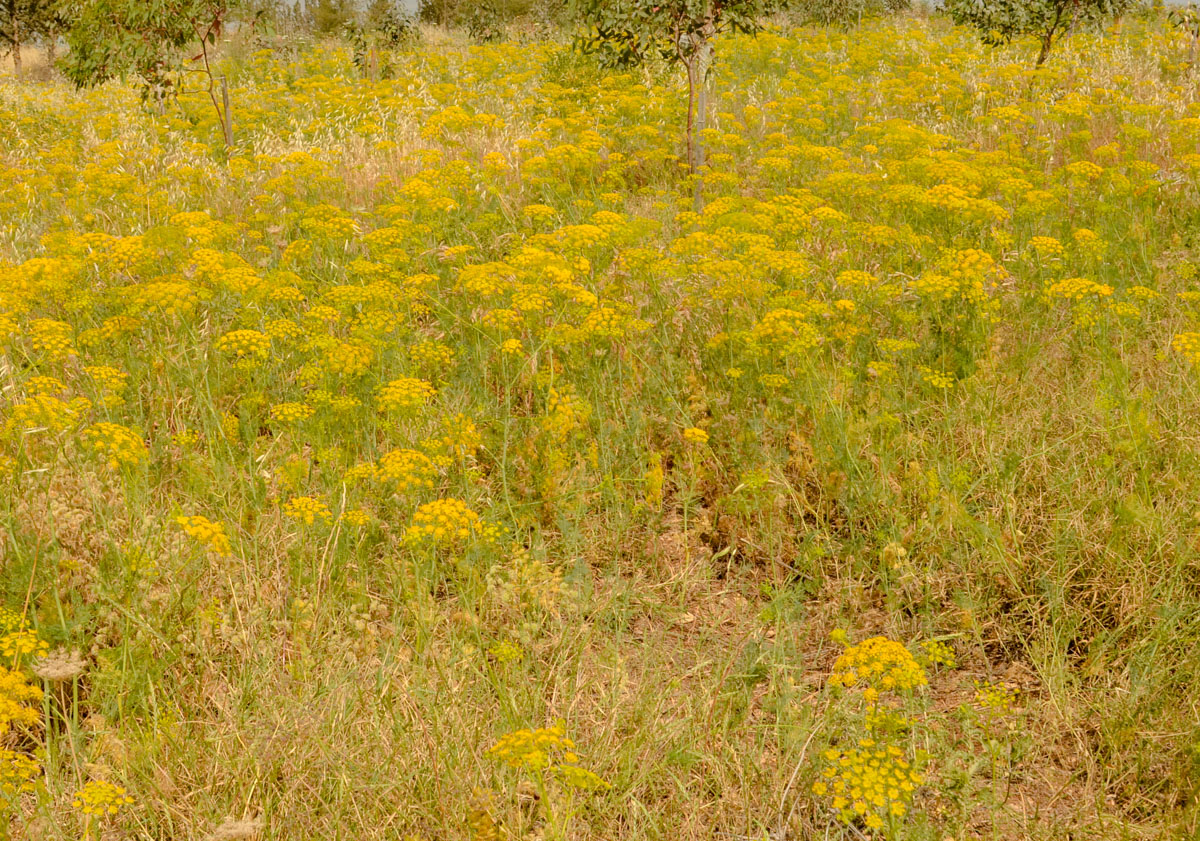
57 21
21 21
394 26
162 42
627 32
843 13
1187 21
1000 21
331 17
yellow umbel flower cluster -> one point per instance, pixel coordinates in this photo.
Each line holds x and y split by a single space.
169 297
432 356
505 652
21 643
460 440
109 381
356 517
45 413
101 799
937 379
994 701
877 665
346 359
291 412
546 749
533 750
17 774
406 470
10 620
406 394
872 783
1077 289
938 653
245 344
119 445
1188 344
50 338
16 697
785 332
307 510
45 385
207 533
566 413
447 522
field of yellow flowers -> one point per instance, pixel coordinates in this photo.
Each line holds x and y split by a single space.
426 468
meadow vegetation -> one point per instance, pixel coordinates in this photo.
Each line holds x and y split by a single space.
424 466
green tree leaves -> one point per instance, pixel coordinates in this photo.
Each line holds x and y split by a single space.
1000 21
628 32
161 42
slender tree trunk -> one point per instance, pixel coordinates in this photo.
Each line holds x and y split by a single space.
704 54
16 45
702 100
703 59
1046 41
226 113
52 46
1048 37
691 117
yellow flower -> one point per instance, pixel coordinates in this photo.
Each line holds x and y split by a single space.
1188 345
878 664
245 344
405 395
18 775
119 445
356 517
307 510
546 749
101 799
207 533
406 470
291 412
17 700
17 644
447 522
869 783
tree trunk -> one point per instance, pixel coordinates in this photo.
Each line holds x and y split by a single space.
52 48
16 45
702 101
704 56
704 53
1046 40
226 113
691 117
1048 37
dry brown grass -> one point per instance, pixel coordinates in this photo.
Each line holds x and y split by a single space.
33 61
